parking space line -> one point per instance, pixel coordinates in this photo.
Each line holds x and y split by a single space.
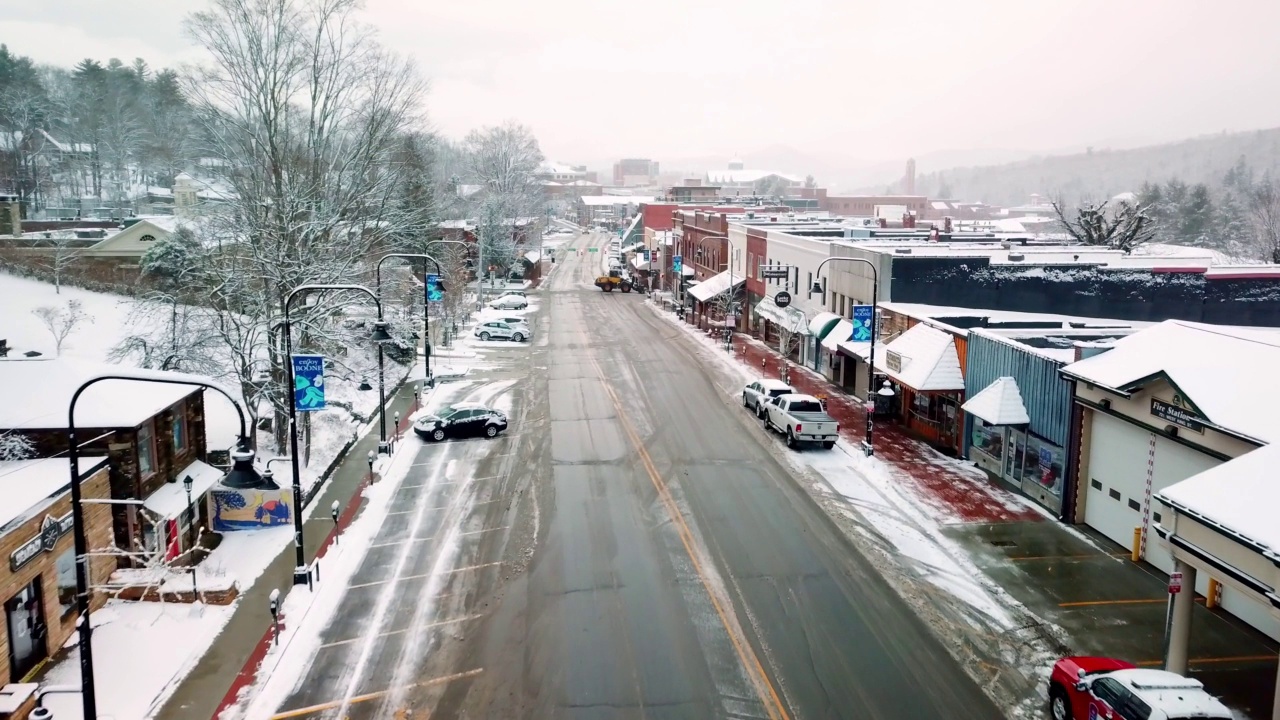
433 537
423 575
1082 556
442 507
314 709
440 623
1212 660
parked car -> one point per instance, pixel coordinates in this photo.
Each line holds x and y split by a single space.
801 419
461 420
512 320
1093 688
755 395
498 330
509 302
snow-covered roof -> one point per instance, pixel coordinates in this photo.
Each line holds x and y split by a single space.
746 176
170 500
1228 374
999 403
28 484
687 271
1240 495
606 200
532 256
928 357
715 285
856 349
1174 695
639 263
36 393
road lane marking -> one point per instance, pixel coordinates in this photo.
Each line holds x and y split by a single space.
388 543
423 575
443 507
313 709
337 643
1083 556
1210 661
769 697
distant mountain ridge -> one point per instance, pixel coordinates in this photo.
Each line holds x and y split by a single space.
1104 173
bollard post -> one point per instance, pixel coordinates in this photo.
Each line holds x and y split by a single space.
1136 554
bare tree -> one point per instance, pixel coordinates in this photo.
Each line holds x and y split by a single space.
15 447
502 160
1126 228
58 255
1264 216
307 116
61 322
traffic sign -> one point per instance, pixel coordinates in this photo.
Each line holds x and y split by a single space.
782 299
1175 583
594 250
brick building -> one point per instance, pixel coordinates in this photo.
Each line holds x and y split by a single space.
38 581
153 434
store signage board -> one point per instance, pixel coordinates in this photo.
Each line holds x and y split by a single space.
50 531
775 272
1176 415
893 361
782 299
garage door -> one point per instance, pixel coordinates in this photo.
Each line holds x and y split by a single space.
1116 493
1118 453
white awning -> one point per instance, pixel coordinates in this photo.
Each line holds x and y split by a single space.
924 359
787 318
841 333
716 285
687 271
859 350
170 500
999 403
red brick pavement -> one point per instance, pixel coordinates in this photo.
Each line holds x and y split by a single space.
956 493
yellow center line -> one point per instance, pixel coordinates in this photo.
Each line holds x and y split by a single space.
454 621
313 709
764 687
1209 661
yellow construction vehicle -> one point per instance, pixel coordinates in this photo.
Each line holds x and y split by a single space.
613 280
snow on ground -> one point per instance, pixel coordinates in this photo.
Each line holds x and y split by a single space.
305 613
140 651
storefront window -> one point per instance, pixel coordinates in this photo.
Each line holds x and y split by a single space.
988 439
1043 465
66 566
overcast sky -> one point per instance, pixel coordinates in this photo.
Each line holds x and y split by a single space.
868 80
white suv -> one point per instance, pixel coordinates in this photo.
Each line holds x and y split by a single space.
498 330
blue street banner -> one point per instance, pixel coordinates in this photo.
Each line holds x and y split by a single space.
434 293
677 264
646 256
863 323
308 383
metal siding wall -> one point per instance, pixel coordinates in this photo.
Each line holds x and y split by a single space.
1046 395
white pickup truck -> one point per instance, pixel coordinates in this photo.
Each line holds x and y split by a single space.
801 419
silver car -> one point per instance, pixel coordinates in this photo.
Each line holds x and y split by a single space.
498 330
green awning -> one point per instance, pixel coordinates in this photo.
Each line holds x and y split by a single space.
822 324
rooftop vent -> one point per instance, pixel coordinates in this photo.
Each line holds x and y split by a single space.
1006 244
1016 257
902 251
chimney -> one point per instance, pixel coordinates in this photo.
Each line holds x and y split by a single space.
910 184
884 222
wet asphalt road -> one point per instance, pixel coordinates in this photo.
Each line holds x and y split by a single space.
678 572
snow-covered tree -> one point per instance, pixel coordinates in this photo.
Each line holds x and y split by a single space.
15 447
1125 228
307 115
502 161
61 321
1264 216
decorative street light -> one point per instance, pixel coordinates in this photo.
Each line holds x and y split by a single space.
243 470
426 302
300 573
187 482
819 288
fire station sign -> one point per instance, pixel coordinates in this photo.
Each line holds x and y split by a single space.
51 530
1176 415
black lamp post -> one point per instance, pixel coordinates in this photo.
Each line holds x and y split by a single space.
426 303
89 695
301 575
868 447
187 482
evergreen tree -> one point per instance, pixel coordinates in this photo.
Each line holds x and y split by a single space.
1195 217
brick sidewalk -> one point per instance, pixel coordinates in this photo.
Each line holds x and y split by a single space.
957 493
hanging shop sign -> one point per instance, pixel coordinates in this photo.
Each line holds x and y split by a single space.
51 530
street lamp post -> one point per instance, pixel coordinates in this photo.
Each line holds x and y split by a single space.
426 302
300 573
188 482
868 446
466 249
242 470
